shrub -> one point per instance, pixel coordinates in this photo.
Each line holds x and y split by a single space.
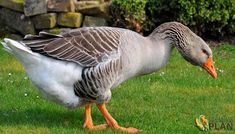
128 13
211 18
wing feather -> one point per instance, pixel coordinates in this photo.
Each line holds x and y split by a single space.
85 46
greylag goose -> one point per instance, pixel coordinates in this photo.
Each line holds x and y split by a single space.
80 67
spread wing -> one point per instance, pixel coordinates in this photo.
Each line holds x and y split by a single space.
85 46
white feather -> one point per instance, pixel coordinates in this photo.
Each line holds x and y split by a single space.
6 48
54 78
13 45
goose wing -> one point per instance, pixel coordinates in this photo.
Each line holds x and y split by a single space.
85 46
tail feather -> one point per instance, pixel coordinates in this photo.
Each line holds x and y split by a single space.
20 51
6 48
15 47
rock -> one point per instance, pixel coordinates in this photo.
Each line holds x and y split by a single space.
34 7
90 21
57 30
15 37
17 21
92 8
7 29
16 5
4 29
45 21
61 5
70 19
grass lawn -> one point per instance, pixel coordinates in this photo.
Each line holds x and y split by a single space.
167 101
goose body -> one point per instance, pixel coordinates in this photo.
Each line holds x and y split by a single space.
82 66
57 78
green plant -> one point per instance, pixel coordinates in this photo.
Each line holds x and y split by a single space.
133 9
130 13
210 18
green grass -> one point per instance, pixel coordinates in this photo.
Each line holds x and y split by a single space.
160 103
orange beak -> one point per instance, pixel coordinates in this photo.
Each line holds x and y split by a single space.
209 67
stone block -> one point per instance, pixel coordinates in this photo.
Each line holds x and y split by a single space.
57 30
34 7
92 8
70 19
61 5
17 21
5 30
45 20
15 37
90 21
16 5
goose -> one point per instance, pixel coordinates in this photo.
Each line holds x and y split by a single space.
80 67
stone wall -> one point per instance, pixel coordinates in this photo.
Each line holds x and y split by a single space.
21 17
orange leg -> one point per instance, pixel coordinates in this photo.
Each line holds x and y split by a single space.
112 122
88 123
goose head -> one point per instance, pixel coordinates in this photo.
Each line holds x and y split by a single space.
191 47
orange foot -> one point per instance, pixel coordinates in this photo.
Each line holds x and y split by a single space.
113 123
88 120
95 127
129 130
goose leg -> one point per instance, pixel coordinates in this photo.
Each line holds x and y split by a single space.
88 123
112 122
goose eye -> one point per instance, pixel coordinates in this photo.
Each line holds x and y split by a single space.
205 52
